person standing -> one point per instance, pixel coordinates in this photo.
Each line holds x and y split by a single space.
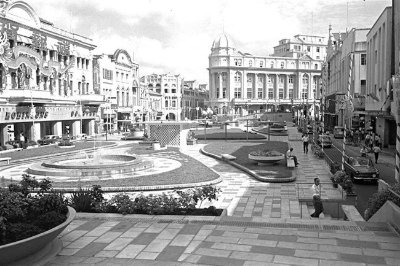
376 151
289 154
316 190
305 140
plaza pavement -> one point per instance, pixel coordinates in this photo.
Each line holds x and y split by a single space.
263 227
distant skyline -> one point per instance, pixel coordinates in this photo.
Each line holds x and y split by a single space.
175 36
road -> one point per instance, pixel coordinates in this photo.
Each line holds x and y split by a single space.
364 190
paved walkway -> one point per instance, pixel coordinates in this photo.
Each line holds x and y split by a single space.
263 227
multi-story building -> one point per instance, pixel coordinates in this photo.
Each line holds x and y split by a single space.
379 74
116 77
170 88
194 99
241 83
343 48
46 84
301 45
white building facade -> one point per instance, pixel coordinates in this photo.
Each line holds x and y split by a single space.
169 86
116 76
241 83
45 76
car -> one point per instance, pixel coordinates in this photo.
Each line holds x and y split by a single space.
324 141
361 168
206 123
49 139
278 127
82 136
338 132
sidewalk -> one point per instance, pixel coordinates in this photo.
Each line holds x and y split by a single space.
263 227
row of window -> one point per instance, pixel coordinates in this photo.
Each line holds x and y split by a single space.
260 93
305 65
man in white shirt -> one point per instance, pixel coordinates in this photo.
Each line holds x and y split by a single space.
289 154
305 140
316 190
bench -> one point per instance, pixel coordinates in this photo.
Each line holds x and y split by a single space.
6 159
228 157
352 214
290 162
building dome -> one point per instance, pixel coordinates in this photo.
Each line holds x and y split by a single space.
222 41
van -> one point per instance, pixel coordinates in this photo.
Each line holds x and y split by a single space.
338 132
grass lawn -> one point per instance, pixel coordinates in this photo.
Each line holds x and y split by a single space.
232 134
52 149
191 171
241 150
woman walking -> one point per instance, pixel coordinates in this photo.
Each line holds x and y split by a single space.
376 150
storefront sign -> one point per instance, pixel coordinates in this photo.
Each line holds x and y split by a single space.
24 115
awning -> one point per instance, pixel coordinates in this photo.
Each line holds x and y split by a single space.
24 39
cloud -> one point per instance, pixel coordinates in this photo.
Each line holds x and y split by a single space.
176 36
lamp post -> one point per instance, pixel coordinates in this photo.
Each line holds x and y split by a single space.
80 101
33 113
197 112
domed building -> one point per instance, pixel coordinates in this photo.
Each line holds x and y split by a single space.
242 83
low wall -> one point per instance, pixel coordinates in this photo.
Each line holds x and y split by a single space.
172 134
388 213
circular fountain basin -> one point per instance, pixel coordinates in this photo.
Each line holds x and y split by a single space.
96 168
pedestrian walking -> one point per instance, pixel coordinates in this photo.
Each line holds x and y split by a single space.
376 151
305 140
367 139
316 190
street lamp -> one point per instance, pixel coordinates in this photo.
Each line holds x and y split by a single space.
80 100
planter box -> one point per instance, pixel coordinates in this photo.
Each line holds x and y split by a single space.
266 159
23 248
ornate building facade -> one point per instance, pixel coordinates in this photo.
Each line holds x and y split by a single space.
116 77
194 99
169 86
46 84
241 83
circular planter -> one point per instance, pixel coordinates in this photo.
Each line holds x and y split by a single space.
18 250
266 159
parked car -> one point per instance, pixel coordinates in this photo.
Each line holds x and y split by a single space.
82 136
278 127
338 132
49 139
324 141
361 168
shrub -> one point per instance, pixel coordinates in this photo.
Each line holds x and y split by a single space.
81 201
88 200
334 167
23 215
379 199
178 202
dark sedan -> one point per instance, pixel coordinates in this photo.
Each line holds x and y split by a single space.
361 168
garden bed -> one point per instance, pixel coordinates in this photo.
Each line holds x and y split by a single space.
232 134
241 151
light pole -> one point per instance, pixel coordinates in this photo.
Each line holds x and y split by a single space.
33 112
80 101
197 112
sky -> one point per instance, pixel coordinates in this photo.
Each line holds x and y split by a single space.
175 36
